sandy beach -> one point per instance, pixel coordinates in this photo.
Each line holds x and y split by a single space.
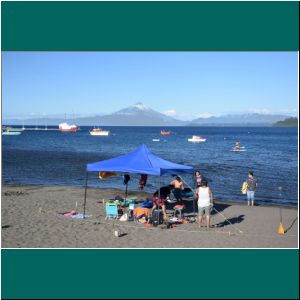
32 218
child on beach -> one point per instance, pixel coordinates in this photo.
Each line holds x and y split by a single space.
251 186
198 178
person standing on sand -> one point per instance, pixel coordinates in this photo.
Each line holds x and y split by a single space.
198 178
178 187
251 186
205 202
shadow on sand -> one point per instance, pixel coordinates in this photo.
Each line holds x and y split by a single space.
292 224
234 220
190 207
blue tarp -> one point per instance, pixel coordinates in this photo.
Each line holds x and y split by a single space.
141 161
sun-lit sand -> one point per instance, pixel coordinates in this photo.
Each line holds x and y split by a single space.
31 218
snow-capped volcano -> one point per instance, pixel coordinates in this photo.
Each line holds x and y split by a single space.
139 114
134 109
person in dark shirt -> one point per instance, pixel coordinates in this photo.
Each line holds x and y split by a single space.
251 186
163 192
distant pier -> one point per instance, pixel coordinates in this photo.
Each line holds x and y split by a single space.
39 129
31 128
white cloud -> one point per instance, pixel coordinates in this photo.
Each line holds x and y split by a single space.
288 111
293 111
259 111
186 116
203 115
170 112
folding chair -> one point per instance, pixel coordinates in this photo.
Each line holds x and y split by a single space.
111 209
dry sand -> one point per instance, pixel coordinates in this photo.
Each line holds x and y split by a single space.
31 219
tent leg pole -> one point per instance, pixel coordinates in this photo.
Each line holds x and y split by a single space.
85 191
193 193
126 191
194 200
159 187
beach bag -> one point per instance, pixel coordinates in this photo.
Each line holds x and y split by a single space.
148 203
244 188
130 215
187 193
157 218
124 218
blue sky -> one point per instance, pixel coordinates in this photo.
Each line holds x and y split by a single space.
181 84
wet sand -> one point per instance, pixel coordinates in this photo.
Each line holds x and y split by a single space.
31 218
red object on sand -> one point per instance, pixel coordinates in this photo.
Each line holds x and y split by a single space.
72 212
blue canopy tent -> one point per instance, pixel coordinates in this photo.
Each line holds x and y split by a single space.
140 161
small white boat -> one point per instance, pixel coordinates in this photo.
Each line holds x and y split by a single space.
197 139
238 150
99 131
11 132
155 140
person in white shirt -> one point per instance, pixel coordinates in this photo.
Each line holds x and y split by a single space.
205 202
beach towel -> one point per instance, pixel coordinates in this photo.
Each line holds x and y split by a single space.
141 211
143 181
69 214
80 216
103 175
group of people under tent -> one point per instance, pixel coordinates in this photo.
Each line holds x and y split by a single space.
203 194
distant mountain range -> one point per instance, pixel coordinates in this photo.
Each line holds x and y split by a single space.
249 119
141 115
289 122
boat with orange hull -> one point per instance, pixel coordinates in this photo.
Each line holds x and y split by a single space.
65 127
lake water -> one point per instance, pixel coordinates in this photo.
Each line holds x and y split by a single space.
56 158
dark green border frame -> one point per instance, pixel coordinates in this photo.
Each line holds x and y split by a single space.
167 274
150 26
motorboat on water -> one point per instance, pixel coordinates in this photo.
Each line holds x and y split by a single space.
239 149
165 132
7 130
197 139
65 127
99 132
11 131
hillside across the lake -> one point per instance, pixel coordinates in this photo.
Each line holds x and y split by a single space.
289 122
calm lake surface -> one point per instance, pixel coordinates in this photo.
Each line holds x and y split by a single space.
56 158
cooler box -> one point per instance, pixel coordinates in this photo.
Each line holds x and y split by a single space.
132 206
